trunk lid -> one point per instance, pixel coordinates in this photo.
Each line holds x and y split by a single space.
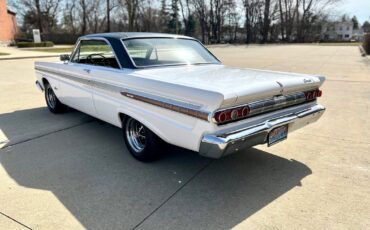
238 85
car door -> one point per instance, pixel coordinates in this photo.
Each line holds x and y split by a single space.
76 86
94 73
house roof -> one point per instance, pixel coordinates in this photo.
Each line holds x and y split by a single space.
127 35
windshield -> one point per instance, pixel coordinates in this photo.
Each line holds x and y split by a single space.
167 51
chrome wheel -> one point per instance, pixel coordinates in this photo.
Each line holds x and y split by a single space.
136 135
50 97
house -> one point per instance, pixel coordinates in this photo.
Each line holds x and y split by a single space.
8 24
340 31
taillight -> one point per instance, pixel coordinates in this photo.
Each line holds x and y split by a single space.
312 95
233 114
264 106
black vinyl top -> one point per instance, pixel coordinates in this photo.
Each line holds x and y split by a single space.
128 35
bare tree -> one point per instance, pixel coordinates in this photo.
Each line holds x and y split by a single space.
266 21
132 11
201 11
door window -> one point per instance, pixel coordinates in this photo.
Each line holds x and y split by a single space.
95 52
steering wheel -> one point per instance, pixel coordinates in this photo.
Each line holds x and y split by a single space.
91 60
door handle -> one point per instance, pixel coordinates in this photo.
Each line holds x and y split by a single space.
87 70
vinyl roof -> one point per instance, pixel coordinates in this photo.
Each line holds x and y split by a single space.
126 35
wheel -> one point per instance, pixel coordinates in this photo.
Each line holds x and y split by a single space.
142 143
54 105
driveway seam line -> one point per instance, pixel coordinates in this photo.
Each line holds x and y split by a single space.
9 217
45 134
173 194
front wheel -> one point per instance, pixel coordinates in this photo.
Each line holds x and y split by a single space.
53 103
142 143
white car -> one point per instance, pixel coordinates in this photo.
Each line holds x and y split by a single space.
163 88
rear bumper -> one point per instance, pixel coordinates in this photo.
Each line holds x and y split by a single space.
218 145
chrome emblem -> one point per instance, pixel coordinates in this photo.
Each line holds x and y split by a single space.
307 80
281 87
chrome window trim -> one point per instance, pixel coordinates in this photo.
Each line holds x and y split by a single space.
91 39
174 37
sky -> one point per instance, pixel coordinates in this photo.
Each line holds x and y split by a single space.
360 8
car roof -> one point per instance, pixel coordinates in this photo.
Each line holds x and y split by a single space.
128 35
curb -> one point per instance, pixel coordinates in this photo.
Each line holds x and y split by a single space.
27 57
362 50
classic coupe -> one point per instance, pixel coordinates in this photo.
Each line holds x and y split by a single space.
164 88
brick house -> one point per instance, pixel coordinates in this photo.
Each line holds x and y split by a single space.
8 24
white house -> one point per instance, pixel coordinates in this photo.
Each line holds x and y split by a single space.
340 31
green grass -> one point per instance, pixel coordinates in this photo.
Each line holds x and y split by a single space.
53 50
3 54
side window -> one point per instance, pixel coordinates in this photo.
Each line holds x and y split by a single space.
95 52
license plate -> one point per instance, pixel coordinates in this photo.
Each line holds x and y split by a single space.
278 134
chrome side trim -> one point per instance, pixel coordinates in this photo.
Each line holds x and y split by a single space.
170 104
176 106
218 145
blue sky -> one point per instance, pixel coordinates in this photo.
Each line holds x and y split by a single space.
360 8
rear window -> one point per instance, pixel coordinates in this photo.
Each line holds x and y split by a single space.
167 51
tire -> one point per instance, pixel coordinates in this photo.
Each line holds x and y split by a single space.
53 103
142 143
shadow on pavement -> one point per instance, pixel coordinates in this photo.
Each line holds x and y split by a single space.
90 171
23 125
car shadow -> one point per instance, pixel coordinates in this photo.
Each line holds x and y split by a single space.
89 170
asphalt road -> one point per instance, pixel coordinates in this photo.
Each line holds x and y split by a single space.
72 171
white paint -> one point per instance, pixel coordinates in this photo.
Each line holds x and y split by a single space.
210 86
36 36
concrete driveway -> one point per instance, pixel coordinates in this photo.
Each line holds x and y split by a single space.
72 171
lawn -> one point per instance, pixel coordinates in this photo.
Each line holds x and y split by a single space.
3 54
53 50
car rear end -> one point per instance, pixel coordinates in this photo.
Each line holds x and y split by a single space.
263 121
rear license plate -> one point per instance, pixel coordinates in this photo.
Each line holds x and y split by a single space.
278 134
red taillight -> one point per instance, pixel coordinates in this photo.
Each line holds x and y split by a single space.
231 114
312 95
319 93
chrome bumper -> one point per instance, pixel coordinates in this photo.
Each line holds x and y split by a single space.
218 145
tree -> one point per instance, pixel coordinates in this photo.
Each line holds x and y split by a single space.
266 21
355 23
366 27
40 14
173 24
202 15
132 7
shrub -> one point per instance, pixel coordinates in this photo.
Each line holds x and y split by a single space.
32 44
366 44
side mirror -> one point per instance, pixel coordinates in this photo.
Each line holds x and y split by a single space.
65 57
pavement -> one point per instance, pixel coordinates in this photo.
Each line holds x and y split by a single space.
71 171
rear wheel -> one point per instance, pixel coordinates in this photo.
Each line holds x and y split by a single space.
142 143
53 103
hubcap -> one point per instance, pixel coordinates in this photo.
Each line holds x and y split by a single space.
50 97
136 135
